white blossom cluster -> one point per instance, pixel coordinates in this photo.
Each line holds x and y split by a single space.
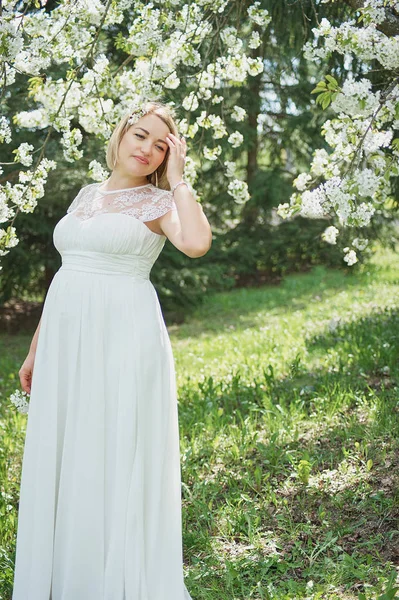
212 153
231 168
258 15
364 153
239 191
350 256
330 234
238 113
97 171
21 196
19 400
235 139
5 131
22 154
91 94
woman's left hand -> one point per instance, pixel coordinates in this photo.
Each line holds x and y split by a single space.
176 159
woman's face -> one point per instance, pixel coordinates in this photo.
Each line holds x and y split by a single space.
143 147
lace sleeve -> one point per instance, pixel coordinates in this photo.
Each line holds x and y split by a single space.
75 203
156 205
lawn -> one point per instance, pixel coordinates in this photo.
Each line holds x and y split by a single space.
289 424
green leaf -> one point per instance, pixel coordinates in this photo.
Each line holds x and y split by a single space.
333 82
320 87
320 98
389 595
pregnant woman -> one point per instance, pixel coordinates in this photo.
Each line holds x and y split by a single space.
100 497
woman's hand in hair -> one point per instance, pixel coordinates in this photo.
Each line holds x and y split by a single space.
176 159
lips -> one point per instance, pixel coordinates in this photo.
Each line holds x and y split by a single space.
144 161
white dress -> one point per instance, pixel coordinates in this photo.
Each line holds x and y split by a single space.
100 497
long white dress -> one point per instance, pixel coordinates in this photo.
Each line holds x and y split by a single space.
100 496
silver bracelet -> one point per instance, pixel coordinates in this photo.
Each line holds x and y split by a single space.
177 185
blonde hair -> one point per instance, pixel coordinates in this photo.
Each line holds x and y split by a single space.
164 112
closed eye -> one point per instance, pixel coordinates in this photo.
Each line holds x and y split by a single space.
142 138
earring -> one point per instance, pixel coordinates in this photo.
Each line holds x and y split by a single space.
156 178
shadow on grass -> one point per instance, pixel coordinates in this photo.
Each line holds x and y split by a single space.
241 306
339 522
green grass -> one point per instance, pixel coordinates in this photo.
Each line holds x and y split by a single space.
289 424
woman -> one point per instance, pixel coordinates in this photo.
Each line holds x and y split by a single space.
100 499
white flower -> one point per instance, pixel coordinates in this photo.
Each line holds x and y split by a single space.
254 40
377 139
8 239
233 68
203 120
324 26
204 93
274 220
70 141
97 172
5 131
329 235
363 213
350 257
238 113
212 153
32 119
320 160
360 243
284 210
258 15
101 65
367 181
218 125
22 154
230 168
301 181
92 115
190 102
254 65
230 39
356 98
190 170
312 204
235 139
172 81
18 399
217 99
239 190
186 129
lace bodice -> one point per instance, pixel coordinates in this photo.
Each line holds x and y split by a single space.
144 203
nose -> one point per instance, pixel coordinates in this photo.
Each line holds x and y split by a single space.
145 147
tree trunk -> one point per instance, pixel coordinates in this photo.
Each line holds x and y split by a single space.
250 210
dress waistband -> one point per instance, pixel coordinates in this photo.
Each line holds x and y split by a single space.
134 266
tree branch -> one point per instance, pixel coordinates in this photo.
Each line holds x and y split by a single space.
390 26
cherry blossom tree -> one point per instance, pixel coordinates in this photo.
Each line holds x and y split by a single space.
166 44
109 55
352 182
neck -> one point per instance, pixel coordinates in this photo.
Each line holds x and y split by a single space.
118 181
